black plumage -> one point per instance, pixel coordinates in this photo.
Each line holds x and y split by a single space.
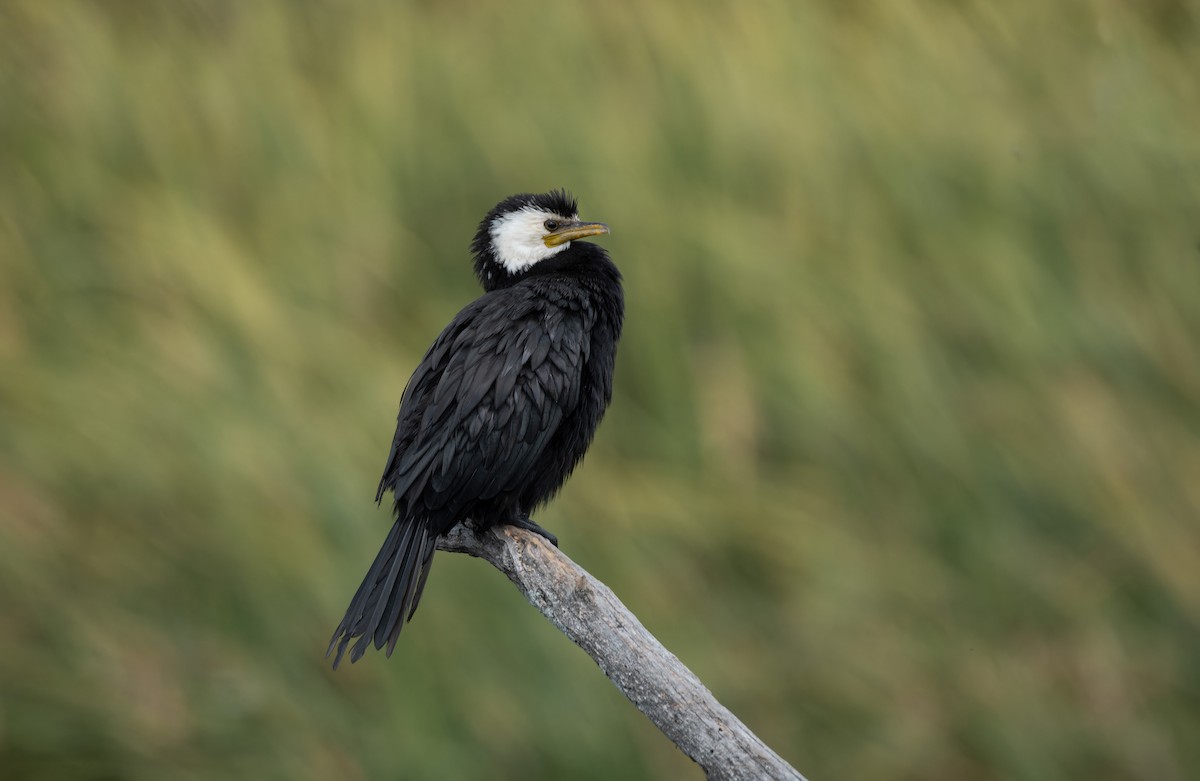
503 405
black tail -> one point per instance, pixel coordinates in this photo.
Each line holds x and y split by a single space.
389 594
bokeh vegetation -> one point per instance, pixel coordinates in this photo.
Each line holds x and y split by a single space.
904 458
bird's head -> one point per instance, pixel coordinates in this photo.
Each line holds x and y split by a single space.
523 230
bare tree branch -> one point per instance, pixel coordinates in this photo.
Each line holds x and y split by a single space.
653 679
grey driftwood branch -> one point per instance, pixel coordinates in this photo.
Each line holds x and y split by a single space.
653 679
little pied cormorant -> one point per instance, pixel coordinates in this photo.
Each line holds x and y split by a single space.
503 405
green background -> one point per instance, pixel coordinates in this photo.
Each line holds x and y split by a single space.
904 454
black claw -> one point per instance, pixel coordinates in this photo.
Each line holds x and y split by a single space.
527 524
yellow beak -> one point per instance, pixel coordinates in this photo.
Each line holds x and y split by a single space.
569 231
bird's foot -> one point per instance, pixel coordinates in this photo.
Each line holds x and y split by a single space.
524 522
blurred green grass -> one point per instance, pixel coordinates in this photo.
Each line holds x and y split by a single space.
903 454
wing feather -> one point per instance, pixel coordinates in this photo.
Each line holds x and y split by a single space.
485 402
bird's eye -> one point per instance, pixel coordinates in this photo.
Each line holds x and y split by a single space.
551 225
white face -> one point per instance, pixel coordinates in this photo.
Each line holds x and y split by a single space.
519 238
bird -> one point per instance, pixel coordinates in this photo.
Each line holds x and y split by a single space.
503 405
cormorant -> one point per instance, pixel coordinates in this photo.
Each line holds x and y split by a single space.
503 405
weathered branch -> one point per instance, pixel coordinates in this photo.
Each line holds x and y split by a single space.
648 674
